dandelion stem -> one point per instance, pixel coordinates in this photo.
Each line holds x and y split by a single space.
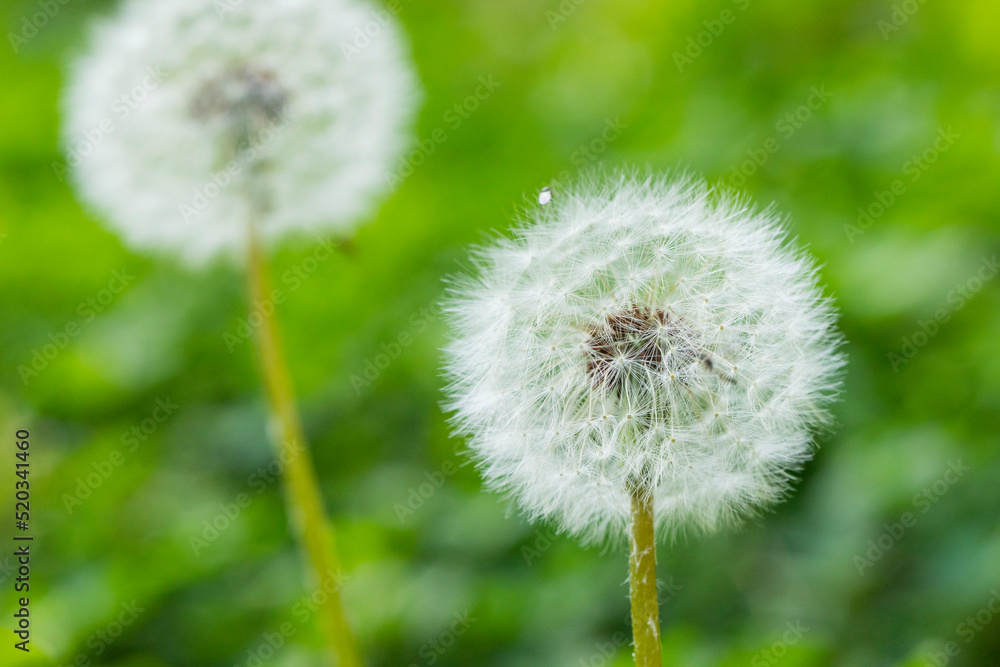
642 582
302 495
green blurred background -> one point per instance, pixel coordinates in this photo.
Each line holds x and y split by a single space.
882 557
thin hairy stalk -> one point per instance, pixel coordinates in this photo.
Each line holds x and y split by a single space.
302 496
642 582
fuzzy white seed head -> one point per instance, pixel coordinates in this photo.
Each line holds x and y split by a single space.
642 335
187 118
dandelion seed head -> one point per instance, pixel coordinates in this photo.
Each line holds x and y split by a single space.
659 336
185 119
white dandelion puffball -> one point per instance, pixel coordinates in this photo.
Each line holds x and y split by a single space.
187 118
641 336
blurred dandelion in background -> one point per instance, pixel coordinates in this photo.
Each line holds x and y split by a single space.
246 113
253 122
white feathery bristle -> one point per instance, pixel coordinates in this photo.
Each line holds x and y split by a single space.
186 119
642 333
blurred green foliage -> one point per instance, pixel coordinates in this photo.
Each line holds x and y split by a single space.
837 576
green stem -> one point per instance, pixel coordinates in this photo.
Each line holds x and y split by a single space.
302 495
642 582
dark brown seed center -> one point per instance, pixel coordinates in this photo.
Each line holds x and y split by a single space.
246 98
625 345
630 346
